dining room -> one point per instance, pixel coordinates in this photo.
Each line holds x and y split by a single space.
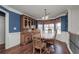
40 29
49 29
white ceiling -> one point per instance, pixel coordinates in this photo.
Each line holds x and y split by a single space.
37 11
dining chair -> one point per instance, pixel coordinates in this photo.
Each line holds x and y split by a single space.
38 44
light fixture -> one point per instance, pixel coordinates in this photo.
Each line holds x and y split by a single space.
45 17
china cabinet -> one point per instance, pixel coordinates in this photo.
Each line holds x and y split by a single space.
27 24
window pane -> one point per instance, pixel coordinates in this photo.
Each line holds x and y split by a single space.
49 28
58 27
40 26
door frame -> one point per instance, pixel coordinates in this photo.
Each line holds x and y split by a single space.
6 26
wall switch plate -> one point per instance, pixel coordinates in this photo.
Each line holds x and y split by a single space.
14 28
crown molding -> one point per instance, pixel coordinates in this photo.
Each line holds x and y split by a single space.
12 9
63 14
16 11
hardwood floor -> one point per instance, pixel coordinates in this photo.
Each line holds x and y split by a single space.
60 48
2 46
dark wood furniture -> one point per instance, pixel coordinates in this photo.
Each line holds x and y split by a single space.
27 25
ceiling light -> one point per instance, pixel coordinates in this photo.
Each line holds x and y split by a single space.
45 17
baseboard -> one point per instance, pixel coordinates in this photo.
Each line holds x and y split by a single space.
69 49
12 47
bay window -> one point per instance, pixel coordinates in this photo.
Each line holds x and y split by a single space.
49 28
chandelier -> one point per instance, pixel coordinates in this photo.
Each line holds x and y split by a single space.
45 17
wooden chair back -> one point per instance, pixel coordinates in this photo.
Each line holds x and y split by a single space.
37 41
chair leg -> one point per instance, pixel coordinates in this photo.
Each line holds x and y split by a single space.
40 51
33 50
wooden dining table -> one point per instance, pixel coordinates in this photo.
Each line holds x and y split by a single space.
46 37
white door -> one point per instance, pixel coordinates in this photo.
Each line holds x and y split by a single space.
2 29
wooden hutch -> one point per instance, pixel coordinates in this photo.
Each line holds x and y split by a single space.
28 25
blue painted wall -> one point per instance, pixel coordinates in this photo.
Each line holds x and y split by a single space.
14 20
64 23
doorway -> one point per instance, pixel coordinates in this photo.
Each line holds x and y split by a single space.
2 31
